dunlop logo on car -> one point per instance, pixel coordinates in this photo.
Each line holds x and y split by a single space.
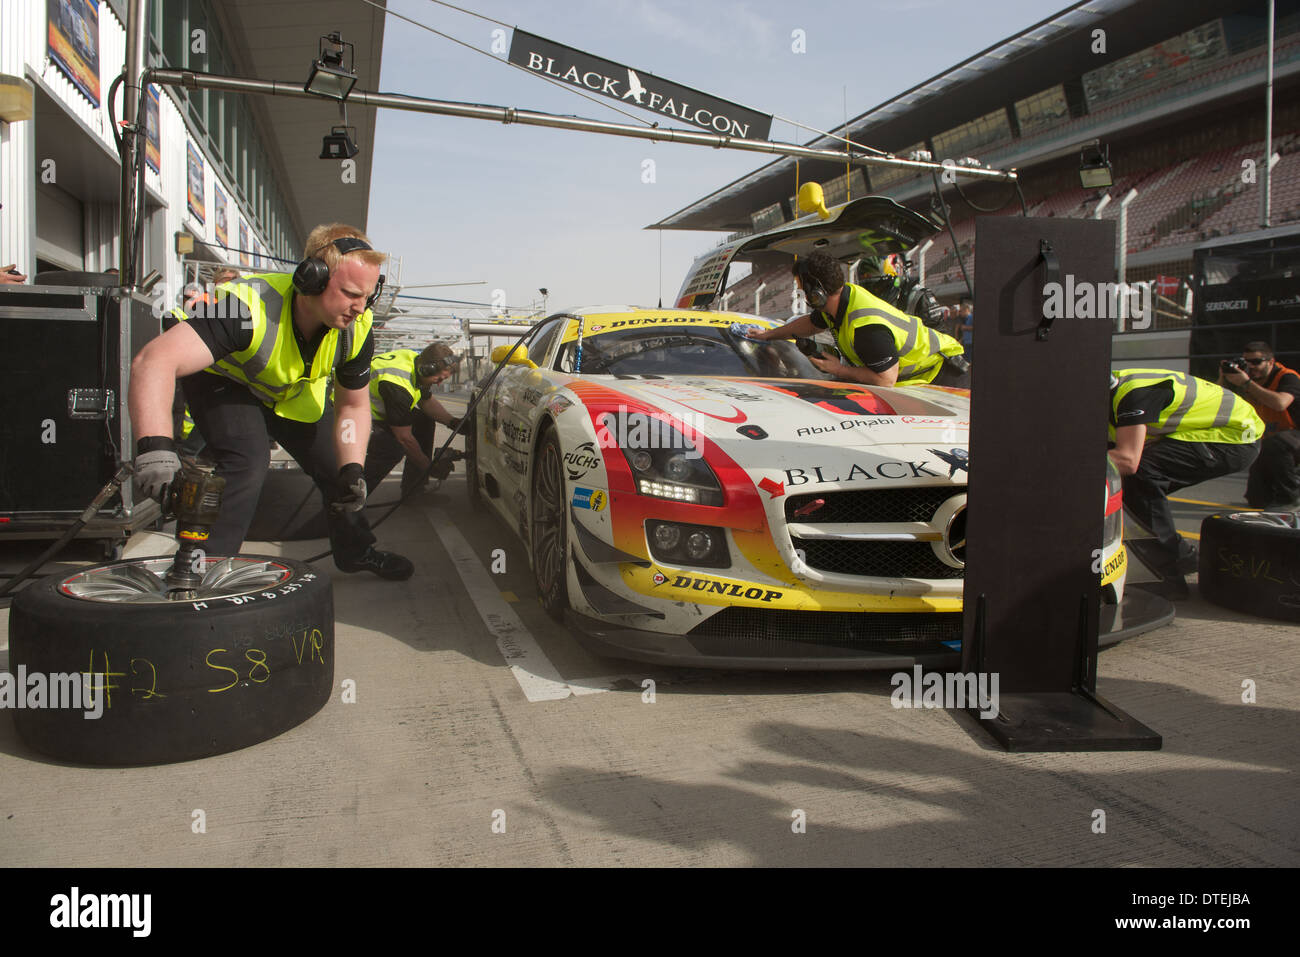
730 589
1112 567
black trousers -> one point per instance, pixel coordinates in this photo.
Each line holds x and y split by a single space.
384 452
1275 476
238 429
1167 466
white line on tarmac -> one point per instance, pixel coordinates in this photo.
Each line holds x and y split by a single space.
538 678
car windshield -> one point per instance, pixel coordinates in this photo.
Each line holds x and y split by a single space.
686 350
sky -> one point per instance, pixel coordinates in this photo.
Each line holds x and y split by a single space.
519 208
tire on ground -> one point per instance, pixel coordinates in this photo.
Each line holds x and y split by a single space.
1250 562
179 680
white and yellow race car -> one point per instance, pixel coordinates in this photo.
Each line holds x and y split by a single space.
691 496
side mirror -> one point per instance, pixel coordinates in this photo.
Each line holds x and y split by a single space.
520 357
813 200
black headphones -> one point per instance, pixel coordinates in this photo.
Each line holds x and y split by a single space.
434 366
313 275
813 291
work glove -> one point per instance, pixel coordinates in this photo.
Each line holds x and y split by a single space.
455 423
353 499
156 465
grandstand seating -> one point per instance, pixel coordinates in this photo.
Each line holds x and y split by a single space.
1184 202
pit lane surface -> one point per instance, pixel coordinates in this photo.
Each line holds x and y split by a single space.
445 741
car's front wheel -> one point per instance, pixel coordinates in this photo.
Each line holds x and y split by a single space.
548 532
471 460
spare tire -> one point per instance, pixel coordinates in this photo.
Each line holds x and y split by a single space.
251 656
1250 562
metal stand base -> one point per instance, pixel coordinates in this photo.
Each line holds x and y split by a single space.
1066 721
1074 720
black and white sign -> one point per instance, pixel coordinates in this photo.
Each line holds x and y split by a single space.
636 87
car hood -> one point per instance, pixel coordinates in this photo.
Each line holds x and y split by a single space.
763 421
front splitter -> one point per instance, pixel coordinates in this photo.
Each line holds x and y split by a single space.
1140 612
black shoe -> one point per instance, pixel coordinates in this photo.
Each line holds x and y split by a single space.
388 565
1189 561
1173 588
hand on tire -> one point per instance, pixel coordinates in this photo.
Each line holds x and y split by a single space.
352 478
154 471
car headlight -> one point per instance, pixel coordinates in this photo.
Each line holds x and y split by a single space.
679 544
664 463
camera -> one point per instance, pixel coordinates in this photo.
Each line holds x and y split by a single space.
1232 365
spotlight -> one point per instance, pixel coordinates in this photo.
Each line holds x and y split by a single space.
329 77
1094 167
339 143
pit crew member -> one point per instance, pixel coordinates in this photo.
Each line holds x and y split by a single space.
256 363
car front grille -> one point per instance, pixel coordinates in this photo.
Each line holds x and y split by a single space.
900 632
876 559
885 505
873 558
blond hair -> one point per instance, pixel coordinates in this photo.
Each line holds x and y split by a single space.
320 245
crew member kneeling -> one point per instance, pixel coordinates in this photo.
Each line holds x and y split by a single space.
256 363
884 345
404 412
1171 430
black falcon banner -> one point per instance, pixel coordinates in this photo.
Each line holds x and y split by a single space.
636 87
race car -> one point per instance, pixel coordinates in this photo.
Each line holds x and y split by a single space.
688 495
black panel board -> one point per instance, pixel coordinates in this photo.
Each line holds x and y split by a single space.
1038 444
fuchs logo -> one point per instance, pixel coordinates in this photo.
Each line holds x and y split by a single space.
581 460
659 578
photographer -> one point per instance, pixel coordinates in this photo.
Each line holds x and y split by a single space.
1272 389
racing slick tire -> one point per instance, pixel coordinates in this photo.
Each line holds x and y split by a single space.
548 528
249 658
1250 562
476 503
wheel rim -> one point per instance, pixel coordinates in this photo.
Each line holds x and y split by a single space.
144 581
1275 519
548 519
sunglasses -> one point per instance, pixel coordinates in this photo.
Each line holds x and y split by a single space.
1254 362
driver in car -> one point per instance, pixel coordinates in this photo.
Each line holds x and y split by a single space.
883 345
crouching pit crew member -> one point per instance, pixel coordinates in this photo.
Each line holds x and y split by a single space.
1273 390
255 363
883 344
403 412
1171 430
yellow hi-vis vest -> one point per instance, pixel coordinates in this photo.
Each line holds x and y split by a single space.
396 367
920 349
1201 411
272 367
